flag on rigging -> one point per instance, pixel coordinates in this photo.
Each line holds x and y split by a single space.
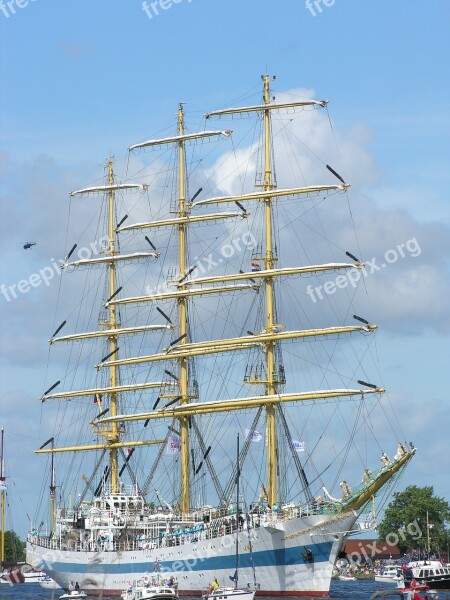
173 444
298 446
253 435
256 267
2 485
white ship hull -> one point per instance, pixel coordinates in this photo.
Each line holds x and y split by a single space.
279 550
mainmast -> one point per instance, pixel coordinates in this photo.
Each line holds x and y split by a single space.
183 316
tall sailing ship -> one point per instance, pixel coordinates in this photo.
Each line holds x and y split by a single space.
216 341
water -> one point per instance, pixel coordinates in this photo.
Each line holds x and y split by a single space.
340 590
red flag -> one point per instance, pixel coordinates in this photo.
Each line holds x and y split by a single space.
14 576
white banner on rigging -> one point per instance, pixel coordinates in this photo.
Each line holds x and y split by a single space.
298 446
173 444
253 435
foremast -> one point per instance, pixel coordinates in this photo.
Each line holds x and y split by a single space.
109 329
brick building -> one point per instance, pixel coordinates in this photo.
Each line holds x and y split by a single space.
363 550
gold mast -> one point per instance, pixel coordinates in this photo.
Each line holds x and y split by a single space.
112 324
269 261
183 324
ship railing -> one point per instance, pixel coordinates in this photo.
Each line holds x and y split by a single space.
321 507
64 543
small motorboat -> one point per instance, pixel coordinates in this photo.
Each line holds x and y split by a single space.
155 590
347 578
389 574
73 595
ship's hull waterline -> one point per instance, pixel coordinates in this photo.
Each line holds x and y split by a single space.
283 565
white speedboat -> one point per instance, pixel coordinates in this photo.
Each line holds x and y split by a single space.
347 578
74 595
390 574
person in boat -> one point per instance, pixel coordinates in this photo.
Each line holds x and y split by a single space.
77 587
71 587
213 587
170 581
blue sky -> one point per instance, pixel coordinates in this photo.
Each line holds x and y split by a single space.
82 80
